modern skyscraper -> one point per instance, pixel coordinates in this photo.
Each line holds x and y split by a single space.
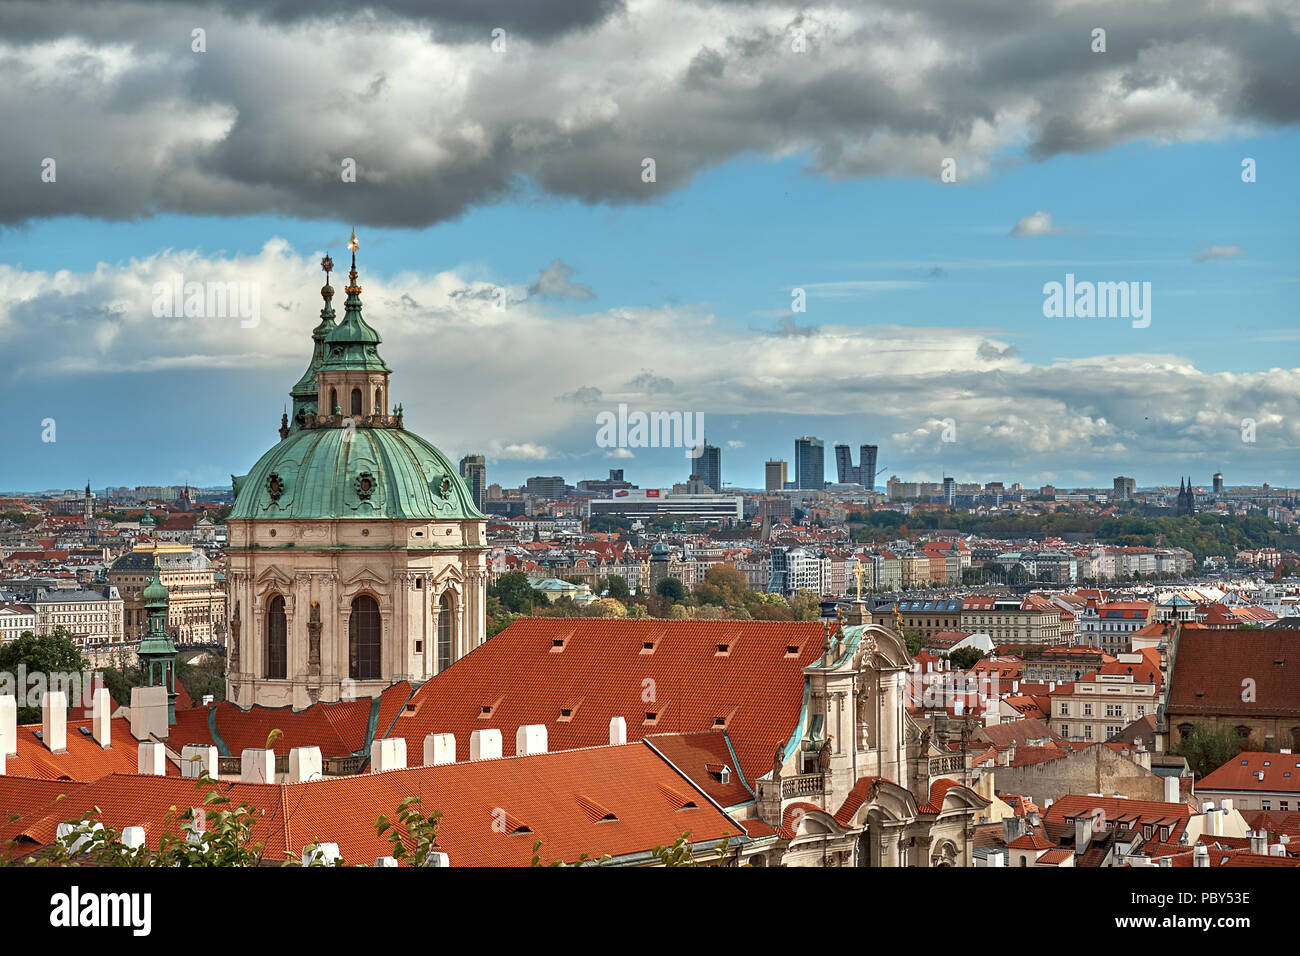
709 467
775 474
809 463
867 468
1124 489
845 473
949 491
1218 483
474 467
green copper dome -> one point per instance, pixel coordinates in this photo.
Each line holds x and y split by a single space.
379 473
154 594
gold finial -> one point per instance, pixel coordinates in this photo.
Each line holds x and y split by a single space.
353 288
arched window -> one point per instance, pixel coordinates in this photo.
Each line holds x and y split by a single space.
379 403
356 401
446 632
277 640
363 639
334 401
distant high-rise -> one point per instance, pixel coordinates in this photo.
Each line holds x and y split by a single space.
867 469
1124 489
546 486
775 474
949 491
474 467
845 473
1218 483
809 463
709 467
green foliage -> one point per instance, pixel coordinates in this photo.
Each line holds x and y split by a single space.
581 861
681 853
914 642
54 653
671 588
414 836
806 605
965 658
514 592
617 587
1208 748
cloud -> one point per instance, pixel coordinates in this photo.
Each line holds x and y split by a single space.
619 453
583 395
1039 224
991 351
58 329
734 443
1215 253
554 283
437 122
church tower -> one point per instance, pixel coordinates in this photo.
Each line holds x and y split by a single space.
356 553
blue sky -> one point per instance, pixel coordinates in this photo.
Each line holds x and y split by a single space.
904 276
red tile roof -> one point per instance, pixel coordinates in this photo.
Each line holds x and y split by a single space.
1211 666
756 687
492 810
84 759
1281 773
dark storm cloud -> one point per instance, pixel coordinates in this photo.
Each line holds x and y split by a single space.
436 122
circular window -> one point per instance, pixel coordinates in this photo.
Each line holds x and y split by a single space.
365 532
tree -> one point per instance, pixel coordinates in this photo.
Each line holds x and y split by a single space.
914 642
514 592
806 605
606 607
730 583
671 588
1208 748
616 586
47 655
964 658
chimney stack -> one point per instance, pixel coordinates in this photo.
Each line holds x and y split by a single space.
617 730
257 765
1171 790
1200 855
530 739
149 713
54 721
1259 842
388 754
151 759
199 760
304 764
439 749
8 725
485 745
101 711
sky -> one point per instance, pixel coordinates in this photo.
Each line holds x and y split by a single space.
800 263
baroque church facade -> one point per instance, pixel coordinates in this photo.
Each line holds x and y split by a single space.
356 555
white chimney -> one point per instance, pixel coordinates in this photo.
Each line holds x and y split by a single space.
304 764
437 859
1226 804
8 725
101 710
1171 790
1200 855
151 758
54 720
530 739
132 837
388 754
485 745
387 860
1207 806
326 853
1277 849
439 749
199 760
257 765
617 730
1259 842
149 712
997 859
1015 687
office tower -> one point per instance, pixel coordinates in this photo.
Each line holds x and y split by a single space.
809 463
474 467
545 486
709 467
867 468
949 492
775 474
845 473
1218 483
1124 489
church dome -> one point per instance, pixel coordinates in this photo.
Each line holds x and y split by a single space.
341 473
